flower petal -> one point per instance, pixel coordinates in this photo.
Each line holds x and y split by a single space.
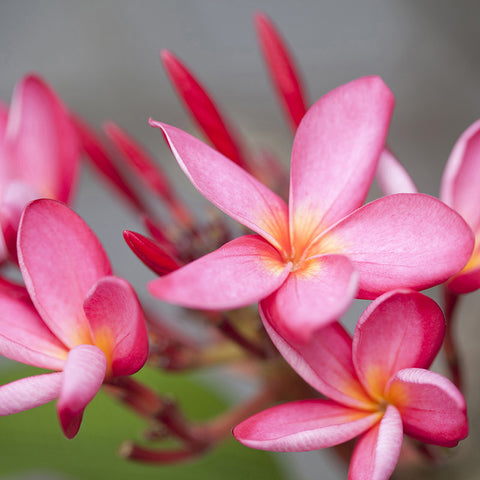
433 410
61 259
25 338
203 109
303 426
324 362
16 196
118 324
336 150
392 177
3 120
241 272
461 176
29 392
312 297
377 451
40 141
155 256
83 376
400 329
283 73
229 186
467 281
403 241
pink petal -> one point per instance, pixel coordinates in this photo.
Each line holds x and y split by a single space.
325 362
283 73
29 392
467 281
303 426
403 241
312 297
61 259
40 141
229 187
462 176
377 451
118 324
203 109
391 175
400 329
16 196
3 120
336 151
83 376
238 274
25 338
433 410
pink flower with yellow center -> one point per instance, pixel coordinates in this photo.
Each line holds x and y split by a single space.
309 259
377 387
76 319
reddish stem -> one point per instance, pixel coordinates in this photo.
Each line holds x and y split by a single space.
226 327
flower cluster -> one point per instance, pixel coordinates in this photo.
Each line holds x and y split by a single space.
304 264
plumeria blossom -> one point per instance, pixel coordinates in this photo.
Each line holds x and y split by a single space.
310 259
80 321
39 154
459 190
377 388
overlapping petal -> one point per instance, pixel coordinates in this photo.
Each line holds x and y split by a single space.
401 329
243 271
336 150
392 177
25 338
40 141
83 376
461 176
229 186
432 408
16 195
376 452
61 259
403 240
303 425
313 296
325 362
29 392
468 280
118 324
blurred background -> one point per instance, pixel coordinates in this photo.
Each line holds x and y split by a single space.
102 57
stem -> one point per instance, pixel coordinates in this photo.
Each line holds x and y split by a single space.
149 455
449 344
220 427
226 327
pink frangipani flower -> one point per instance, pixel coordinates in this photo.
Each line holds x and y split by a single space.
82 322
377 387
459 190
310 259
39 154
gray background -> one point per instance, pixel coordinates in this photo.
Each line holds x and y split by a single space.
102 58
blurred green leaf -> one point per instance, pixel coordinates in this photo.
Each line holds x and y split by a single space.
32 441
